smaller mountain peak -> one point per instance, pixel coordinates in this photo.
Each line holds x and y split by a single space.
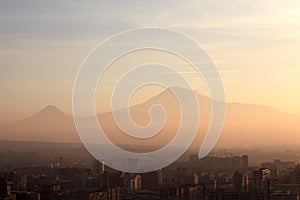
50 110
51 107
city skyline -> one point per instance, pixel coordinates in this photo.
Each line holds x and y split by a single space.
152 100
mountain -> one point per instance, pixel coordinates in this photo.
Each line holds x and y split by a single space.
246 125
49 124
50 112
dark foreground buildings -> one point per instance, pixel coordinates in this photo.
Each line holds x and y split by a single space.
211 178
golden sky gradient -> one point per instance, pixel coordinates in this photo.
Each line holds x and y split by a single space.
254 44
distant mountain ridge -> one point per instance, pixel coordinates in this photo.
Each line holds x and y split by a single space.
245 125
50 124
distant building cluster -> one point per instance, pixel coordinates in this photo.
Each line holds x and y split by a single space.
96 183
211 178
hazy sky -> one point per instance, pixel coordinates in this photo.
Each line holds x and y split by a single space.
254 43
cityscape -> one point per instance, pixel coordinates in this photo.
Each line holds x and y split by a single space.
68 172
150 100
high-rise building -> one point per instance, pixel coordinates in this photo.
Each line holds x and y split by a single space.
260 179
152 180
181 175
102 167
132 182
98 167
23 182
190 193
3 187
295 175
240 181
244 161
186 177
236 162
